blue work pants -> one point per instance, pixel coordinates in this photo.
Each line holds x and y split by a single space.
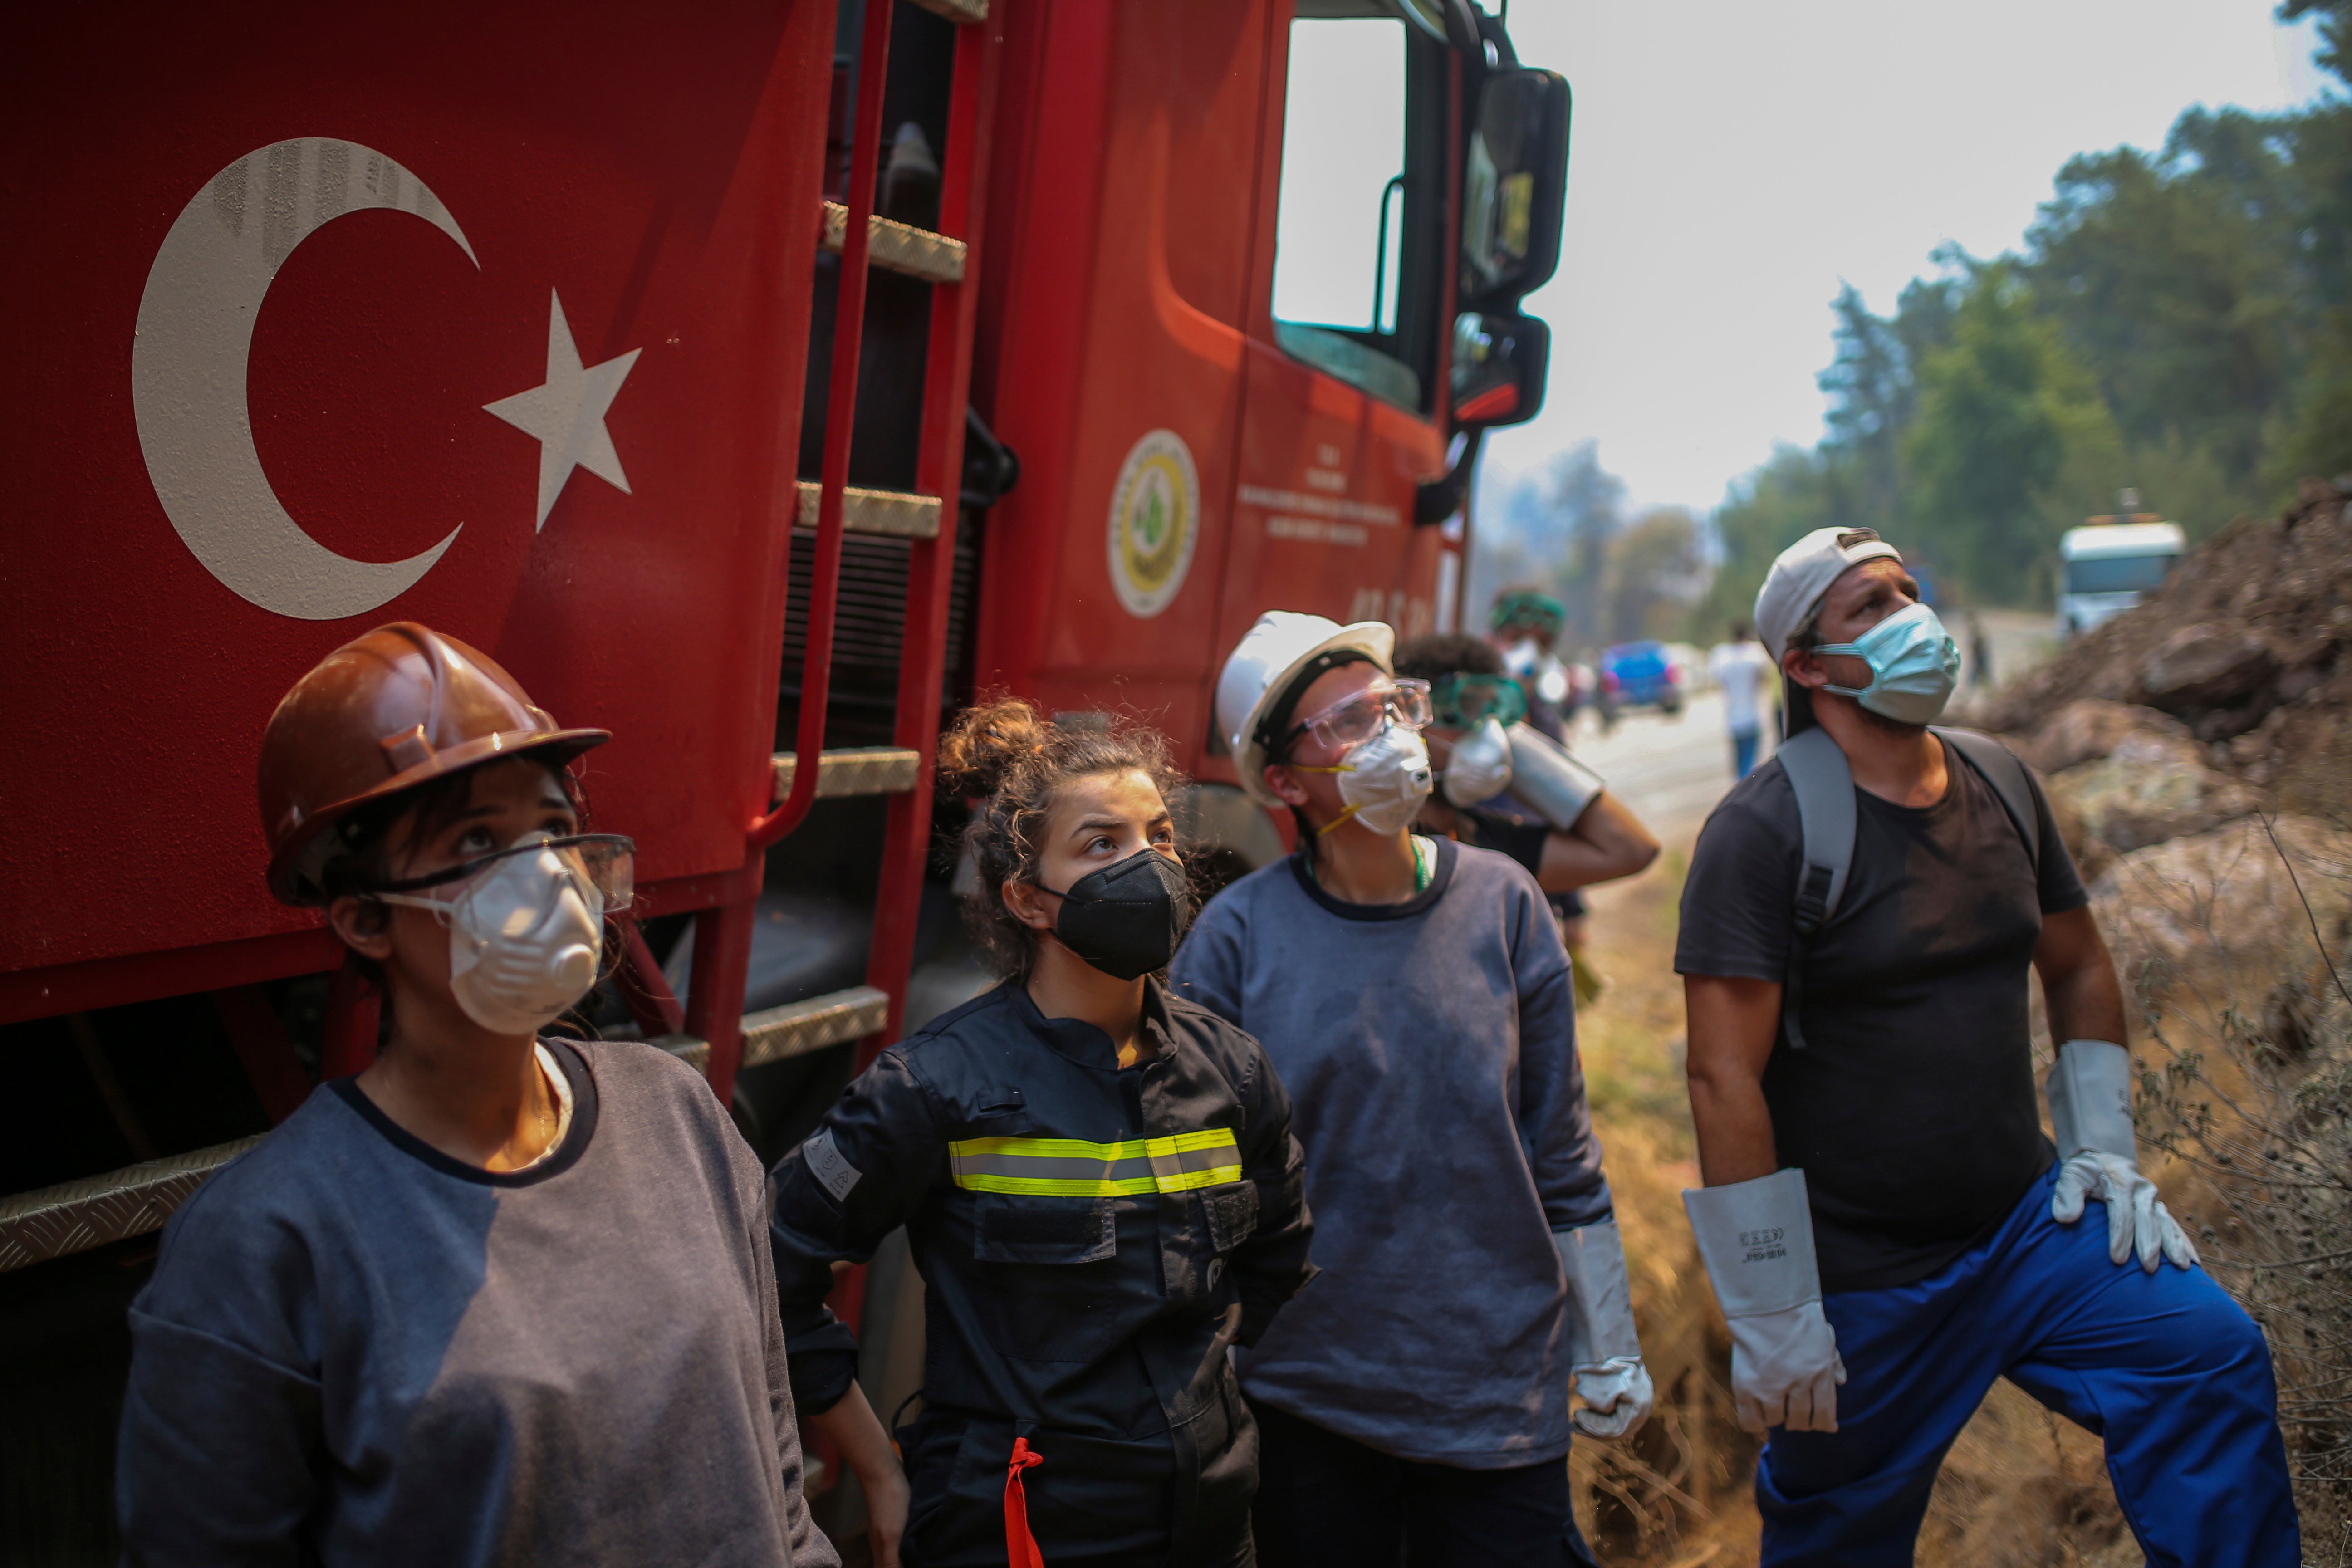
1743 752
2165 1367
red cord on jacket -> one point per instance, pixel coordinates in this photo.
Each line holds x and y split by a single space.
1020 1546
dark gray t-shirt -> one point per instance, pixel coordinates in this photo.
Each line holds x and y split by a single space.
1912 1110
357 1351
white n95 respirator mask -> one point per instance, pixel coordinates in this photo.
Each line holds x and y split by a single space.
1480 766
527 926
1384 780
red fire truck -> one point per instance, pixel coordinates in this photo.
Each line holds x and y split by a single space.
754 380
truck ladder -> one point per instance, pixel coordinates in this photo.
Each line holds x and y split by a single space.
947 259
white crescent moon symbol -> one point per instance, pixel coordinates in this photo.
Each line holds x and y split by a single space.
188 370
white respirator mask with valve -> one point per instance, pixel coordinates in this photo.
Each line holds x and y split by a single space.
1385 780
526 925
1385 773
1480 765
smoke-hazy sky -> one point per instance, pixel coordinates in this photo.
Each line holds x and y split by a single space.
1731 160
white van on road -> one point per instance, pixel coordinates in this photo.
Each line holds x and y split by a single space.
2108 567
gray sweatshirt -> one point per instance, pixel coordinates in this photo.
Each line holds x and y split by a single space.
356 1350
1430 1052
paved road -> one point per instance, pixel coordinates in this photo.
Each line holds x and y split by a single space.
1670 771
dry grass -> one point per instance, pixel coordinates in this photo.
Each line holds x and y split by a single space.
1679 1494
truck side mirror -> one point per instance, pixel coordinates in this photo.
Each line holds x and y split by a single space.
1514 187
1500 361
1500 366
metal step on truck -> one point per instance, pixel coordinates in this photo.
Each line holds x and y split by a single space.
758 380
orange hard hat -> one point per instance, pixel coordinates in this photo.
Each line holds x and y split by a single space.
386 712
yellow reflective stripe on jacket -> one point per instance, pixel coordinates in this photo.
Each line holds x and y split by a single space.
1072 1167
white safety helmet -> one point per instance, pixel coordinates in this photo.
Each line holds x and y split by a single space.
1271 656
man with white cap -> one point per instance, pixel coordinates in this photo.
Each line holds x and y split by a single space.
1886 1228
1416 1000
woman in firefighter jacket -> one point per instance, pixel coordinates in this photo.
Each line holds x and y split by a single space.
1099 1183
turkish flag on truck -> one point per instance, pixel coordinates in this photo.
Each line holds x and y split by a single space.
320 317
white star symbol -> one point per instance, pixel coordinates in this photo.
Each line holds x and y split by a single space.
567 414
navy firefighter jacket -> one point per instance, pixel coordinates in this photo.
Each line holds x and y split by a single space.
1092 1240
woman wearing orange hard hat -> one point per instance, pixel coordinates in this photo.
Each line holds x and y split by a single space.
499 1297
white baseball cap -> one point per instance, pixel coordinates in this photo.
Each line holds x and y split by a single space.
1282 646
1801 574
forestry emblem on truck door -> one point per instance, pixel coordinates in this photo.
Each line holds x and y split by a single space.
1155 521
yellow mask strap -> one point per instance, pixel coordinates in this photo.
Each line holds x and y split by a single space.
1342 768
1335 822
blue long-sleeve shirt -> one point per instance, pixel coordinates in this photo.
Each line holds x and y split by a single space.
1430 1052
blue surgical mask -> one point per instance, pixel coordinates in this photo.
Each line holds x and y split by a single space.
1914 666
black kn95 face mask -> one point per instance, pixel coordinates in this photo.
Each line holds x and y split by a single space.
1127 917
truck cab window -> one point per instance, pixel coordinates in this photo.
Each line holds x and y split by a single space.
1354 269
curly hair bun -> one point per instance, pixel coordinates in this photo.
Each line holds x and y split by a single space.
1013 762
989 743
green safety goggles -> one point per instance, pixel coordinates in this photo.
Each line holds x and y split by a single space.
1531 609
1466 702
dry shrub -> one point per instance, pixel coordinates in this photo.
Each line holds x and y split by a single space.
2247 1084
2023 1487
1670 1489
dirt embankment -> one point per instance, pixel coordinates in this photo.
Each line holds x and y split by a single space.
2243 650
2197 755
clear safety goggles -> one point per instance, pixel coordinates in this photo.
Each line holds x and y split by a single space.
604 863
1466 702
1352 721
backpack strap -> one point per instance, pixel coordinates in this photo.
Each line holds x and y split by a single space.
2011 785
1817 771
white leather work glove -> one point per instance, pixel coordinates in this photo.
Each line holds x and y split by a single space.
2091 1120
2138 1220
1756 1241
1604 1352
1618 1398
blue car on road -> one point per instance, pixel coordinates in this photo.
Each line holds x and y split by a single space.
1640 675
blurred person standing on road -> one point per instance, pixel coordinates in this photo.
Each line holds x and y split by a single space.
1979 652
1097 1181
1503 788
1414 1405
1527 624
1885 1225
503 1297
1739 667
